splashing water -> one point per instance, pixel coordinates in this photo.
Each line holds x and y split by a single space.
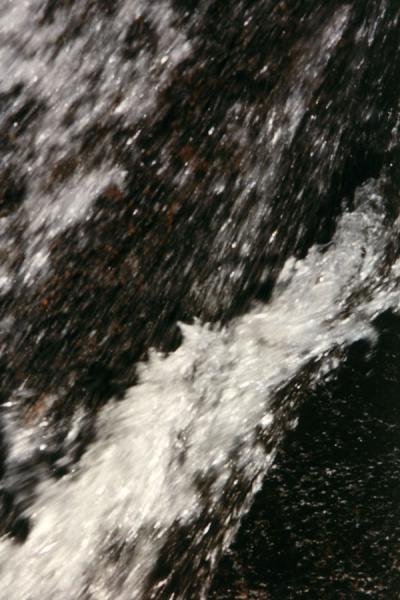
185 450
189 413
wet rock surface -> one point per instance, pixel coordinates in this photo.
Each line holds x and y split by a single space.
201 163
245 140
326 523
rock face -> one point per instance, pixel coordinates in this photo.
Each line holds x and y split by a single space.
160 162
175 183
326 523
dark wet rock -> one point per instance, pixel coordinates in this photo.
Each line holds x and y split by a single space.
12 191
326 523
150 252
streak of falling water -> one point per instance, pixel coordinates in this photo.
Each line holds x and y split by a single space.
66 82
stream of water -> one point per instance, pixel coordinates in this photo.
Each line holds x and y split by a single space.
175 458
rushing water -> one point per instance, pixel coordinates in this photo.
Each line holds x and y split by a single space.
133 198
200 414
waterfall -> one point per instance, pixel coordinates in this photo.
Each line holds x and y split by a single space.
198 219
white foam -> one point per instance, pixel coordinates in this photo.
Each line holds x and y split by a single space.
188 414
